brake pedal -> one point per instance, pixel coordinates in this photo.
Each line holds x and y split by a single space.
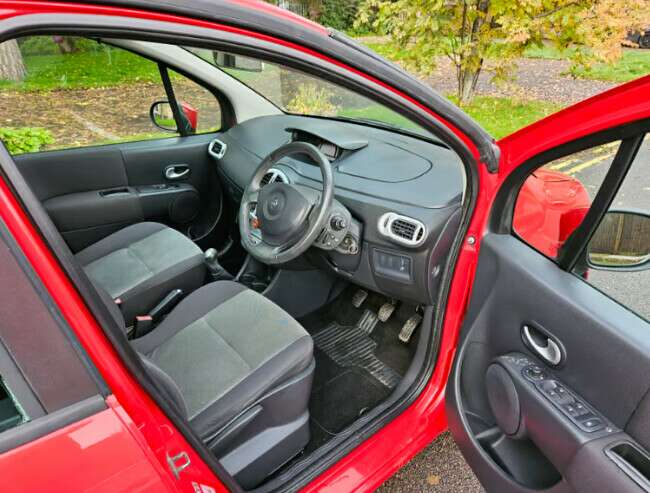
409 327
368 321
386 310
359 297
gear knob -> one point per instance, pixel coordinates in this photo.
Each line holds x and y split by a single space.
211 261
210 256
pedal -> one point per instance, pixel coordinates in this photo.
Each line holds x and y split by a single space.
359 297
386 311
409 327
368 321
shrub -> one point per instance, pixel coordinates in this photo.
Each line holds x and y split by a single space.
339 14
25 139
45 45
312 100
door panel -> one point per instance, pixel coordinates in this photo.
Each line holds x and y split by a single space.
605 369
92 192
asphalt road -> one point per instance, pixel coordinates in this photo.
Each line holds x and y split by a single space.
441 467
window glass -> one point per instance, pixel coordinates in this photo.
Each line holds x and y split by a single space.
11 414
81 92
618 255
302 94
198 103
555 198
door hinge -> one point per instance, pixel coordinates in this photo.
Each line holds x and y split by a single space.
178 462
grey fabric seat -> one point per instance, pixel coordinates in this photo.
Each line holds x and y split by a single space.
142 263
223 346
236 366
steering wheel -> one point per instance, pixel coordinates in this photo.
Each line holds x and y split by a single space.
287 218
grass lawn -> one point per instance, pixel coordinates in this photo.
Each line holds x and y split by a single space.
499 116
633 64
84 70
502 116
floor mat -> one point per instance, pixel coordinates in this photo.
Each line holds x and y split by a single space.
352 346
344 398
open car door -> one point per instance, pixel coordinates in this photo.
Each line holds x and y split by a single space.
550 384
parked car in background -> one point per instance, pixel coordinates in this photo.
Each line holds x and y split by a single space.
641 38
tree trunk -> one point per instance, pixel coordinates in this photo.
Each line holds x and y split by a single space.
466 87
11 62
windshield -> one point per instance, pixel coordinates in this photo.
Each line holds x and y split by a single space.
297 93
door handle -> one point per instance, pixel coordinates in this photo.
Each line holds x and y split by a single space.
176 171
542 345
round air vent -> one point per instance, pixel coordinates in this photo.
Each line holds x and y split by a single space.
274 175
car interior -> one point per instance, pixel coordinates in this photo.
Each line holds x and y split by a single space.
276 269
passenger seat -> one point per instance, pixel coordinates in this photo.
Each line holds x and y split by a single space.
141 264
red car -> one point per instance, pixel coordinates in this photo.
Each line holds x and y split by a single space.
274 261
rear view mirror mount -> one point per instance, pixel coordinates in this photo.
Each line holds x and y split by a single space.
236 62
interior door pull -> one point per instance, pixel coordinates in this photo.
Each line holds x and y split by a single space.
176 171
542 345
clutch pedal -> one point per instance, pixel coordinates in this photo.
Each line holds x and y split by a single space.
409 327
386 310
359 297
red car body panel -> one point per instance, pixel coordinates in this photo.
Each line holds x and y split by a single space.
98 454
371 463
549 207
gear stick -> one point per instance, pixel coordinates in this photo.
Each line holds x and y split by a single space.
217 272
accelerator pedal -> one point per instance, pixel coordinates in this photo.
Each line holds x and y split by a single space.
368 321
386 310
409 327
359 297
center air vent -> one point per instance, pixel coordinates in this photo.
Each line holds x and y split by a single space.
272 176
402 229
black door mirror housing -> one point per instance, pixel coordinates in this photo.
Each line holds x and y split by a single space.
621 242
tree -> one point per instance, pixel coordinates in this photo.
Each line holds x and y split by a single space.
471 32
11 62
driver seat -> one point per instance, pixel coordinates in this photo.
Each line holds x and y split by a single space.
239 369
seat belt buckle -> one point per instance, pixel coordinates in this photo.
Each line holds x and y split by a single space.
142 325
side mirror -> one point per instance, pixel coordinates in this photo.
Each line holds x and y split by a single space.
162 116
228 60
621 242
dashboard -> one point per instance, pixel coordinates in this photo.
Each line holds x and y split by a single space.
397 200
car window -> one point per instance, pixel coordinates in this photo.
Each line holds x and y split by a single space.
298 93
11 414
555 198
197 102
618 254
82 92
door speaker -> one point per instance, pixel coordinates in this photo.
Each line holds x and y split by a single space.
185 207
